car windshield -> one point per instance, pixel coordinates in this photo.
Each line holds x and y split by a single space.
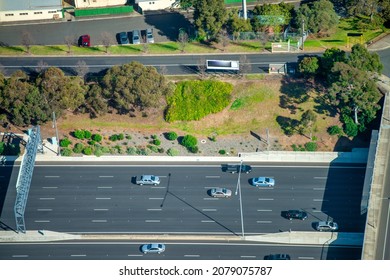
267 180
153 178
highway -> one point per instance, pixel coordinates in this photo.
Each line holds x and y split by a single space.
102 199
114 250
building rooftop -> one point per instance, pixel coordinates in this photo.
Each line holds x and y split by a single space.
18 5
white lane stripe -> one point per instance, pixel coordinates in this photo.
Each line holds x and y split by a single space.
319 211
101 209
248 256
207 221
158 209
156 198
157 187
210 198
318 189
19 256
265 199
46 198
213 177
207 210
306 258
78 255
320 178
264 210
41 209
135 255
102 176
52 176
152 221
103 198
263 222
319 199
99 221
191 256
104 187
42 221
49 187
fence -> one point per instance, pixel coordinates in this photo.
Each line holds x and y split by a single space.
103 11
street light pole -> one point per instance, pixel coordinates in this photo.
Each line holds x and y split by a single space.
238 189
58 140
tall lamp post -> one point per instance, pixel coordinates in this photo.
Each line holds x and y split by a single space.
58 140
238 190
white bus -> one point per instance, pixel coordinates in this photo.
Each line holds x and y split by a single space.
222 65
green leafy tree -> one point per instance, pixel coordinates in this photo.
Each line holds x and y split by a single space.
95 102
308 119
189 141
354 93
273 16
209 17
134 85
328 59
309 65
319 17
235 24
361 59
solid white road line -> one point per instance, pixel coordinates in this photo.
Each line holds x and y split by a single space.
306 258
42 221
264 210
191 256
44 209
248 256
99 221
318 189
19 256
158 209
320 178
157 187
264 222
152 221
156 198
319 199
78 255
105 209
210 198
52 176
208 210
212 177
49 187
102 198
46 198
207 221
106 176
265 199
104 187
140 255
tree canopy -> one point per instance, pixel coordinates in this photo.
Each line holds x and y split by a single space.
209 17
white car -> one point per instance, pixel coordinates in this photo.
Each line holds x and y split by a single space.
153 248
221 192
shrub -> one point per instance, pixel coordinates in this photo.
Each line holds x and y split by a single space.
350 128
113 137
153 148
105 150
161 150
171 135
79 134
154 136
78 148
97 137
157 142
142 152
121 136
98 152
193 150
311 146
173 152
91 142
128 137
189 141
66 152
298 148
131 151
334 130
87 134
2 148
222 152
87 151
65 142
213 138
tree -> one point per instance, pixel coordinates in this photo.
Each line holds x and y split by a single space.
308 66
69 42
319 16
209 17
182 39
307 120
134 85
27 41
273 16
81 69
61 92
201 66
41 66
360 58
245 66
355 94
328 59
235 24
223 37
107 40
385 11
95 102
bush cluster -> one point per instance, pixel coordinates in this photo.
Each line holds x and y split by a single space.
171 135
82 134
65 142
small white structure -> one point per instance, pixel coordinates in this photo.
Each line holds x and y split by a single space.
153 5
80 4
22 10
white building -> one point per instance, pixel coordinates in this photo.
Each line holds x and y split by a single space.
152 5
20 10
81 4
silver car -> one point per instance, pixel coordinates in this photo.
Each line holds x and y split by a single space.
221 192
136 37
153 248
263 182
327 226
149 35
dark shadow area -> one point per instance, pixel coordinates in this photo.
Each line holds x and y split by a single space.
332 41
56 48
165 46
245 44
323 106
288 125
168 24
294 92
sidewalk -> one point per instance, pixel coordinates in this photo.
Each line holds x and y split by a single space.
380 44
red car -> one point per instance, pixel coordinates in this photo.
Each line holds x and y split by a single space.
85 41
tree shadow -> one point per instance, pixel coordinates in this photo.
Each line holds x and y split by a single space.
294 92
288 125
245 45
167 47
57 48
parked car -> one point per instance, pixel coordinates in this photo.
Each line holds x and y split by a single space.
278 257
123 39
136 37
149 35
234 168
153 248
221 192
327 226
296 214
85 41
147 180
263 182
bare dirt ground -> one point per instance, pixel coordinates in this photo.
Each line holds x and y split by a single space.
235 131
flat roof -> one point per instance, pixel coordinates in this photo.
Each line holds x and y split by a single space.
19 5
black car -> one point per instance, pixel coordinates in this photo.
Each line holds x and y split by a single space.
123 39
234 168
278 257
295 214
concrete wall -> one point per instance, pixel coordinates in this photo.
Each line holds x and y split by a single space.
155 4
98 3
22 15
